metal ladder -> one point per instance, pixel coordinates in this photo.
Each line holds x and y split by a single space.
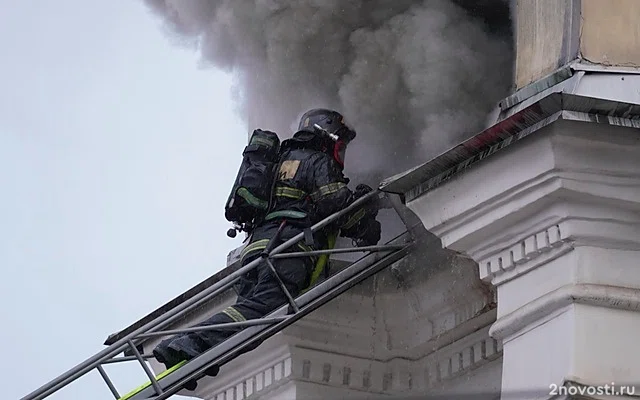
257 330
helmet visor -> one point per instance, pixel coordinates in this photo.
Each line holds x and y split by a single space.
347 132
339 151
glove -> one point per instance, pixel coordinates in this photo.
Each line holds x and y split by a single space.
373 205
371 234
361 190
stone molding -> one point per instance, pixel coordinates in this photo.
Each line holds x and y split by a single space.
315 365
262 370
590 225
526 254
269 378
506 327
430 343
395 376
554 186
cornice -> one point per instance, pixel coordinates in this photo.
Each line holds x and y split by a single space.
590 294
290 359
525 254
264 368
396 376
499 215
268 378
555 107
511 257
472 214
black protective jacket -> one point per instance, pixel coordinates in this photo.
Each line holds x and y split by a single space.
309 187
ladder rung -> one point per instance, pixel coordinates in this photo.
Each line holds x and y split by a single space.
108 381
147 370
124 359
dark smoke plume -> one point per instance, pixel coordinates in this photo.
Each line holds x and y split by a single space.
413 77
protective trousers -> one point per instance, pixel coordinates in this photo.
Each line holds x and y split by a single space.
259 293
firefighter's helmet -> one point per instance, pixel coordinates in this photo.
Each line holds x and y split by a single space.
330 127
328 122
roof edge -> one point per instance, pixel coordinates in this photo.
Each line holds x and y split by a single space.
557 105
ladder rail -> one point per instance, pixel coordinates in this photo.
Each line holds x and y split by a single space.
309 301
161 321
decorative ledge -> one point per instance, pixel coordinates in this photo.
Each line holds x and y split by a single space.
461 362
267 378
590 294
398 376
361 374
521 257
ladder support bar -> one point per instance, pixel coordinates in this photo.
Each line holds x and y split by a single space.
211 327
108 381
145 367
362 249
283 287
124 359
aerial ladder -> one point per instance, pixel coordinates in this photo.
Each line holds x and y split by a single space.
172 381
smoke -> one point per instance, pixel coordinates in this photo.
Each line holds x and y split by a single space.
413 77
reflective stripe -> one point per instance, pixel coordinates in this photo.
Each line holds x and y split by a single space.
354 219
251 199
158 377
286 214
292 193
257 245
262 244
262 141
327 190
234 314
304 247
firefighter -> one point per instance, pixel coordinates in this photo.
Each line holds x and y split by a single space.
310 186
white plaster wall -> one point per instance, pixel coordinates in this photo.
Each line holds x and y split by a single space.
550 339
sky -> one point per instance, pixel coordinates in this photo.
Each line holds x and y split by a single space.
117 153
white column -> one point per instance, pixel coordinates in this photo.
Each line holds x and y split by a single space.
553 221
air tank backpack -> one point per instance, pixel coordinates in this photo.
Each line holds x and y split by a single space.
251 193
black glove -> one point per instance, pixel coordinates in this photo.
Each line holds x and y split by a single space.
372 206
361 190
370 235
